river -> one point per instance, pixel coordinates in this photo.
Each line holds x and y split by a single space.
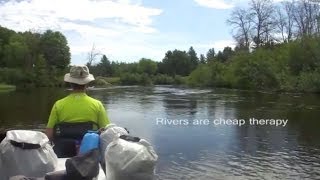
182 125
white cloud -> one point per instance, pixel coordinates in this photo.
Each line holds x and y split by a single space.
226 4
217 45
215 4
109 24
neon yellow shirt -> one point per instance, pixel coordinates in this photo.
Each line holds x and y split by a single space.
78 107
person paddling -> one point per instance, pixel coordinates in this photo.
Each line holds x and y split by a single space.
72 116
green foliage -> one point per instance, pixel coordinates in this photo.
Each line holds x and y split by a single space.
202 59
177 63
178 80
255 71
15 76
41 77
194 60
200 76
130 79
309 82
304 55
162 79
6 87
101 82
32 59
54 47
15 52
147 66
211 54
225 55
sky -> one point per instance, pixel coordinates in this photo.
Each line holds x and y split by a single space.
126 30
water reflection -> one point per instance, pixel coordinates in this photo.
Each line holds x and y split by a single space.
189 151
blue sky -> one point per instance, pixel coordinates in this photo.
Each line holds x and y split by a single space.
126 30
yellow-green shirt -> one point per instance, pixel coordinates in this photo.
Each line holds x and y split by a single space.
78 107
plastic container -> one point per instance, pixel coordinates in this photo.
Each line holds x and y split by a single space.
90 141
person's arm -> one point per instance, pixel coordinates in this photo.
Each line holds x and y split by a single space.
53 118
103 119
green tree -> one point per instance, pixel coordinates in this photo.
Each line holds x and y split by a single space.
33 42
177 63
40 71
194 60
147 66
202 59
304 55
104 67
54 47
5 35
210 55
16 52
225 55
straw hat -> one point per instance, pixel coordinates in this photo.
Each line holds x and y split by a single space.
79 75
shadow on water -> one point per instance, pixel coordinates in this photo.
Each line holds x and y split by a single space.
205 151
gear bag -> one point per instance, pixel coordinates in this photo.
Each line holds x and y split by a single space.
130 158
27 153
84 166
110 133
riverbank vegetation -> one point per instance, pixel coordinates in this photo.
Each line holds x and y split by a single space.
33 59
277 48
6 87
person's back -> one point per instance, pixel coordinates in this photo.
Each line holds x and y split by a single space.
78 107
73 115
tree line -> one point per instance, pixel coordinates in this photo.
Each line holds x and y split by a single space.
264 23
277 49
174 68
33 59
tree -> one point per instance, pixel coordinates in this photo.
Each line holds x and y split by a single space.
104 67
55 49
16 52
33 42
202 59
92 55
306 17
194 60
210 55
177 63
261 16
40 71
5 35
147 66
240 20
225 55
289 8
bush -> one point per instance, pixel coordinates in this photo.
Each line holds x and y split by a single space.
162 79
200 76
130 79
255 71
13 76
180 80
100 82
211 75
309 81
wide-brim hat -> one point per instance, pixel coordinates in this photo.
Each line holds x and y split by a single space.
79 75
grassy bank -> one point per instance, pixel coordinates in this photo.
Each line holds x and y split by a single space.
6 87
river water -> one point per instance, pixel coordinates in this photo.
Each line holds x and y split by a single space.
182 124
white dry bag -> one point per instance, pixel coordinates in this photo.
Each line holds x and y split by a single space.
130 160
27 153
111 132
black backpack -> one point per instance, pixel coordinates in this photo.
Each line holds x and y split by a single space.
83 167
